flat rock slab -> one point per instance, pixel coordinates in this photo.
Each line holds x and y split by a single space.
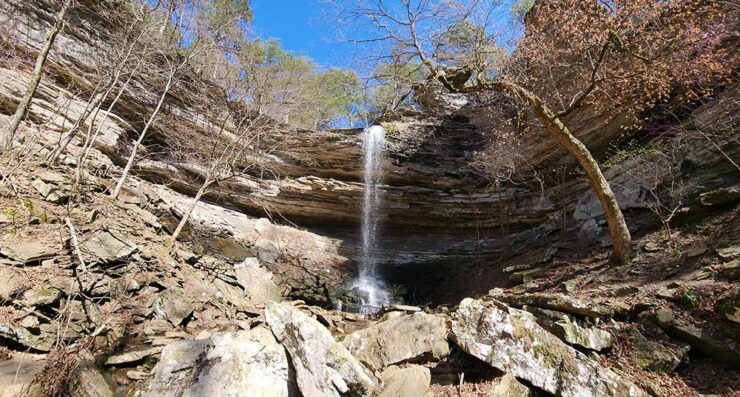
50 192
244 363
132 356
107 247
25 337
400 339
18 372
508 386
30 253
323 366
560 302
12 280
40 296
173 305
571 331
411 381
652 355
257 282
87 380
512 341
704 342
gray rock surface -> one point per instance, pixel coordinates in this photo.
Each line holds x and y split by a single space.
24 337
410 381
654 356
257 282
720 196
701 340
132 356
52 187
17 375
560 302
173 305
107 247
12 280
245 363
29 253
400 339
324 367
512 341
40 296
87 380
508 386
572 331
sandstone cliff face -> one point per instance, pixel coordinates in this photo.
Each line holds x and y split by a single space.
436 209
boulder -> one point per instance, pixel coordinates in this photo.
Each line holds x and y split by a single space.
30 253
559 302
50 192
720 196
512 341
40 296
664 317
704 342
86 380
323 366
24 337
132 356
66 284
257 282
572 331
29 322
268 251
730 270
729 308
411 381
400 339
654 356
589 337
12 280
244 363
107 247
173 305
731 252
17 375
508 386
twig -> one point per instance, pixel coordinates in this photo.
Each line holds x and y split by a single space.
75 243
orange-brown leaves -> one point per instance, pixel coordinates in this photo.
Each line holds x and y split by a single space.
652 50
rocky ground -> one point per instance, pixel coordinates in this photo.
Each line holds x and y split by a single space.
94 305
512 291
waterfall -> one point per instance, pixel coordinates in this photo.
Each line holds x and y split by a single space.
369 283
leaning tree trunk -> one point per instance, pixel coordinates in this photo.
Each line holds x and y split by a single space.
134 150
620 234
189 211
6 137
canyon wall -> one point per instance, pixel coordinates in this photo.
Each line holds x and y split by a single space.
439 213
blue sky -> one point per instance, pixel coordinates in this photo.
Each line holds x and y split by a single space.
300 25
308 27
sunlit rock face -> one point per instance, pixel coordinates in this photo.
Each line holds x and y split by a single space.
441 220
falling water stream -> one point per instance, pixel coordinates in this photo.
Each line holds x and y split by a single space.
369 282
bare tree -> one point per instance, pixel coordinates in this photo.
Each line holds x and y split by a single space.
97 125
205 36
111 72
230 153
606 48
8 133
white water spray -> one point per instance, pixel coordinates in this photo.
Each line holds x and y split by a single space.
373 294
